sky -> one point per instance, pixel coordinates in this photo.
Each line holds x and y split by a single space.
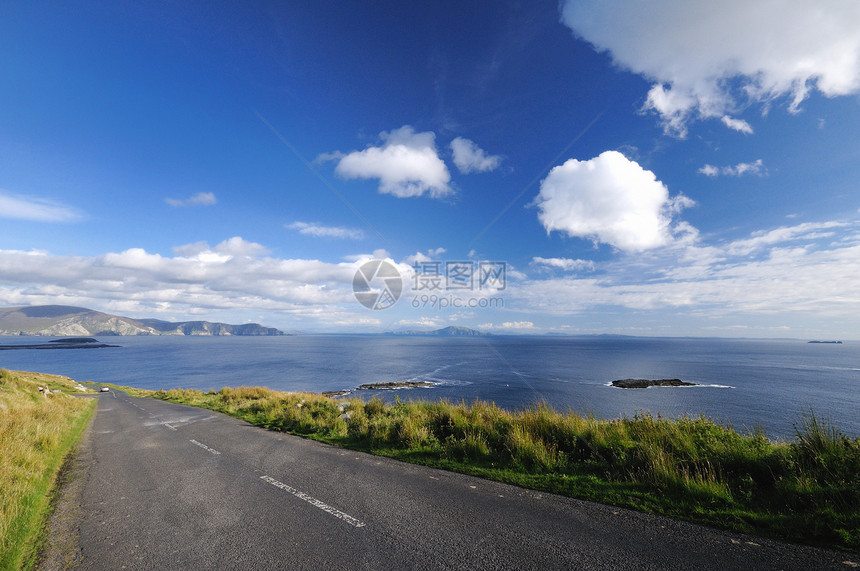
670 168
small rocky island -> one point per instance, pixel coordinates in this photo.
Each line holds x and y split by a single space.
66 343
395 385
382 387
645 383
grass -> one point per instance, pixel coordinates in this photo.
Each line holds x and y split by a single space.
37 433
806 490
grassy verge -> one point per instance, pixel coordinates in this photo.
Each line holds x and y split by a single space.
36 434
807 490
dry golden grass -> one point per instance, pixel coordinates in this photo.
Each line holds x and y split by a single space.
37 431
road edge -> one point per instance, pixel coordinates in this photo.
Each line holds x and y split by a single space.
61 549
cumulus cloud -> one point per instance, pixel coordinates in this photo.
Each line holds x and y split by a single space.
708 59
565 264
320 231
406 163
470 158
38 209
199 199
610 199
755 168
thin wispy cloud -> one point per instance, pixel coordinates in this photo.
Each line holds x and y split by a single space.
37 209
565 264
808 231
321 231
199 199
755 168
737 125
508 326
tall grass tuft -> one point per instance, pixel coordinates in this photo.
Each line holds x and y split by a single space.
36 434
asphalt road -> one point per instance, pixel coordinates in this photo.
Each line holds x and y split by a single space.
166 486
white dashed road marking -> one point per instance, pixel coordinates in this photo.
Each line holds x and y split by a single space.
203 446
315 502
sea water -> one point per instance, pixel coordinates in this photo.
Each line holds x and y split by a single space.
769 384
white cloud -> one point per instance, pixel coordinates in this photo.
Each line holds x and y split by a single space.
709 170
235 246
470 158
199 199
423 321
235 275
320 231
782 235
378 254
565 264
610 199
406 164
741 169
708 58
755 168
38 209
508 325
799 274
432 255
737 125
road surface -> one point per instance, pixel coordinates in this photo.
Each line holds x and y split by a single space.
165 486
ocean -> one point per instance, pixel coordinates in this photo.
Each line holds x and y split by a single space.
746 383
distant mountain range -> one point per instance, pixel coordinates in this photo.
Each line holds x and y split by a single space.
64 320
445 332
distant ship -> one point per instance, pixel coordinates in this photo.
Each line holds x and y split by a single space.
836 342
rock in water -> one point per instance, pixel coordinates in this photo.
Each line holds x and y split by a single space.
645 383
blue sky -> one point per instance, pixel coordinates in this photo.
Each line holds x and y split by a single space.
680 168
